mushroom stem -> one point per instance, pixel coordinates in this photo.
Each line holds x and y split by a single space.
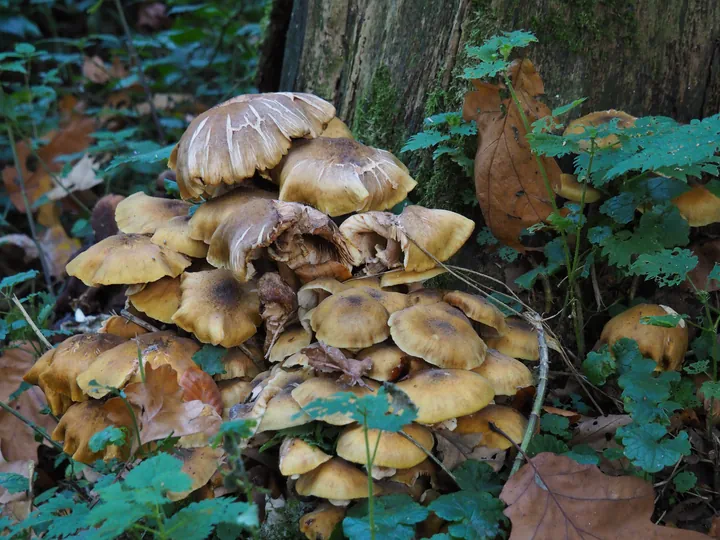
29 320
539 395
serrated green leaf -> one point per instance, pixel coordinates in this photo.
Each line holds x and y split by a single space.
683 392
564 109
474 515
620 208
237 429
584 454
110 435
209 359
598 366
663 321
714 273
486 238
649 447
697 368
424 139
546 443
394 517
597 235
474 475
152 155
13 482
710 389
555 424
16 279
684 481
667 267
485 70
197 520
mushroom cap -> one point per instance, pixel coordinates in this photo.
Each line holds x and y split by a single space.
442 394
125 260
506 375
506 418
478 309
298 457
323 387
569 188
699 206
393 450
232 392
321 522
426 296
519 341
159 299
200 464
401 277
337 129
248 133
336 480
388 361
291 341
312 293
339 176
283 411
439 334
237 364
175 235
58 369
667 346
119 366
350 319
118 325
209 215
391 301
141 214
218 309
598 118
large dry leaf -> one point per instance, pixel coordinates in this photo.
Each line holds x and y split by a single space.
508 182
329 359
278 306
16 506
58 248
82 176
556 497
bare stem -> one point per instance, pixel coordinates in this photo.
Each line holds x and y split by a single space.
32 324
32 425
429 454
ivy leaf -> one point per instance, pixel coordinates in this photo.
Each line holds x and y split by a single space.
16 279
209 359
598 366
670 320
474 475
14 483
684 481
197 520
666 268
647 446
556 424
109 435
394 516
474 515
424 139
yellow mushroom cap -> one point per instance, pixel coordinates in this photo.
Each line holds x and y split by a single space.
321 522
667 346
200 464
335 480
291 341
312 293
141 214
388 361
118 325
699 206
175 235
442 394
126 260
519 341
248 133
209 215
337 129
478 309
506 375
322 387
393 450
283 411
401 277
232 392
439 334
506 418
391 301
339 176
350 319
298 457
598 118
426 296
569 188
159 300
218 309
237 364
57 370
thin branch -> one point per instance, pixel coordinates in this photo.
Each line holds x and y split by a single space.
429 454
29 320
133 319
32 425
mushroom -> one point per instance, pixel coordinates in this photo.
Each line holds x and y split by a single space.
506 418
340 175
401 277
337 129
439 334
442 394
350 319
393 450
388 361
126 260
506 375
426 296
289 342
519 340
595 119
248 133
120 326
312 293
322 387
283 411
159 299
569 188
141 214
298 457
56 371
232 392
218 309
200 464
667 346
237 365
478 309
426 470
337 481
391 301
175 235
321 522
699 206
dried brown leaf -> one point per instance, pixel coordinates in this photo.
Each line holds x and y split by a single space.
556 497
278 306
332 360
94 69
58 248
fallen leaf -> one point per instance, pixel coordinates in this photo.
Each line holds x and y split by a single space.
153 16
198 385
81 177
572 416
200 464
598 433
278 306
556 497
332 360
24 243
508 182
455 449
58 248
16 506
94 69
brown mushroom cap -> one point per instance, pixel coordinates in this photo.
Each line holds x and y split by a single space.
401 277
322 387
337 129
237 364
291 341
596 119
439 334
699 206
321 522
506 418
232 392
312 293
350 319
393 450
388 361
298 457
57 370
218 309
118 325
335 480
569 188
125 260
426 296
200 464
478 309
667 346
175 235
248 133
142 214
283 411
339 176
159 300
442 394
391 301
506 375
519 341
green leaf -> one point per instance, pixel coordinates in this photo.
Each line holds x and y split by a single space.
474 515
598 366
197 520
714 274
620 208
25 49
486 238
684 393
697 368
546 443
20 390
584 454
82 229
506 304
667 267
150 156
474 475
598 235
564 109
710 389
237 429
110 435
684 481
16 279
13 482
394 516
485 70
424 139
209 359
556 424
664 321
649 447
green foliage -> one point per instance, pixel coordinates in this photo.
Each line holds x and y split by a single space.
209 359
556 424
684 481
14 483
477 476
649 447
317 434
667 267
598 366
110 435
474 515
394 517
11 281
664 321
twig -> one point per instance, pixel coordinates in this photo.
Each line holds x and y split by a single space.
596 287
539 394
133 319
141 73
32 425
29 320
429 454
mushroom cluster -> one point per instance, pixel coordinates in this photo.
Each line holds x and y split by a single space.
294 262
